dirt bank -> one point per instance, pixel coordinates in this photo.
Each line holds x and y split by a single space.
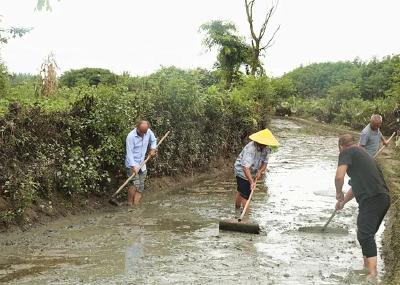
44 211
390 164
315 127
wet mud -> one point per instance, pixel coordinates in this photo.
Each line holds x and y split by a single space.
322 230
173 238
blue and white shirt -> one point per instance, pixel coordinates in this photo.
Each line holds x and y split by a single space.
251 157
136 148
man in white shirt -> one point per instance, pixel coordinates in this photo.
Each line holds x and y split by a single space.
137 144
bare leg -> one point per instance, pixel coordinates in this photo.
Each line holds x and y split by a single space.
365 262
131 195
238 201
244 201
372 266
137 198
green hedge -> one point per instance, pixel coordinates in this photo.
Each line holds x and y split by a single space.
77 147
353 112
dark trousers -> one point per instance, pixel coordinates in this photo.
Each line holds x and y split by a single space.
370 216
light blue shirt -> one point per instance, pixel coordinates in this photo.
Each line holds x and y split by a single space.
136 148
370 140
251 157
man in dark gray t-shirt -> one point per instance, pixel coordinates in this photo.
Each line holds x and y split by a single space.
371 193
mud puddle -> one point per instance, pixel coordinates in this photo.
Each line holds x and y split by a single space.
175 239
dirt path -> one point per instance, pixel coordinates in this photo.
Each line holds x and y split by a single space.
174 238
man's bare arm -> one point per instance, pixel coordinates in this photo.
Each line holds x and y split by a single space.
339 181
384 141
261 171
349 195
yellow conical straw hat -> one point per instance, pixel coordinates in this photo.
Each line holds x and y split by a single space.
264 137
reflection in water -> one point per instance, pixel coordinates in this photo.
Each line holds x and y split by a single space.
133 257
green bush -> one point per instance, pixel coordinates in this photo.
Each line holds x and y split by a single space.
345 92
4 81
81 172
74 142
88 76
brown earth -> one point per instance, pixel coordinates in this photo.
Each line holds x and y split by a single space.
44 211
390 165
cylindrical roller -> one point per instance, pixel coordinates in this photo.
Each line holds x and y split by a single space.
236 226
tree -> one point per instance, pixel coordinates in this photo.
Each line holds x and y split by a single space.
11 33
5 35
4 81
41 4
316 79
284 87
88 76
232 50
257 48
378 76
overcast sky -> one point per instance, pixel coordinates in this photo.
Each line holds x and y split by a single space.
141 36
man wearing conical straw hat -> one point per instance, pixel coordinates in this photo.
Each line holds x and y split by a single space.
251 164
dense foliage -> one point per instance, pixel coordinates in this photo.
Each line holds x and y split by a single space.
4 81
88 76
233 52
74 142
344 92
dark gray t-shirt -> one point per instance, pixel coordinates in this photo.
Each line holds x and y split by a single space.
366 178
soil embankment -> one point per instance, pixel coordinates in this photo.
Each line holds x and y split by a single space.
44 211
390 164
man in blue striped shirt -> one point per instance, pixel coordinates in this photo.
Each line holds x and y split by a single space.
137 144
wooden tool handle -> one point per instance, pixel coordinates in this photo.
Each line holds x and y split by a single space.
140 166
330 219
248 202
383 147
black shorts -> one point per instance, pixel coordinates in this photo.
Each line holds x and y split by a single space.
243 187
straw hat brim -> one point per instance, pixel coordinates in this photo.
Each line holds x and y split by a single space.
264 137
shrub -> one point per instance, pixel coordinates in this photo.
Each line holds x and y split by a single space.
88 76
4 81
74 141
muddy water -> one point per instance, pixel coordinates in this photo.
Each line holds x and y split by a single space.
173 238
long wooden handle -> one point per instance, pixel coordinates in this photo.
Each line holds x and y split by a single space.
380 150
330 219
247 202
140 166
383 147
